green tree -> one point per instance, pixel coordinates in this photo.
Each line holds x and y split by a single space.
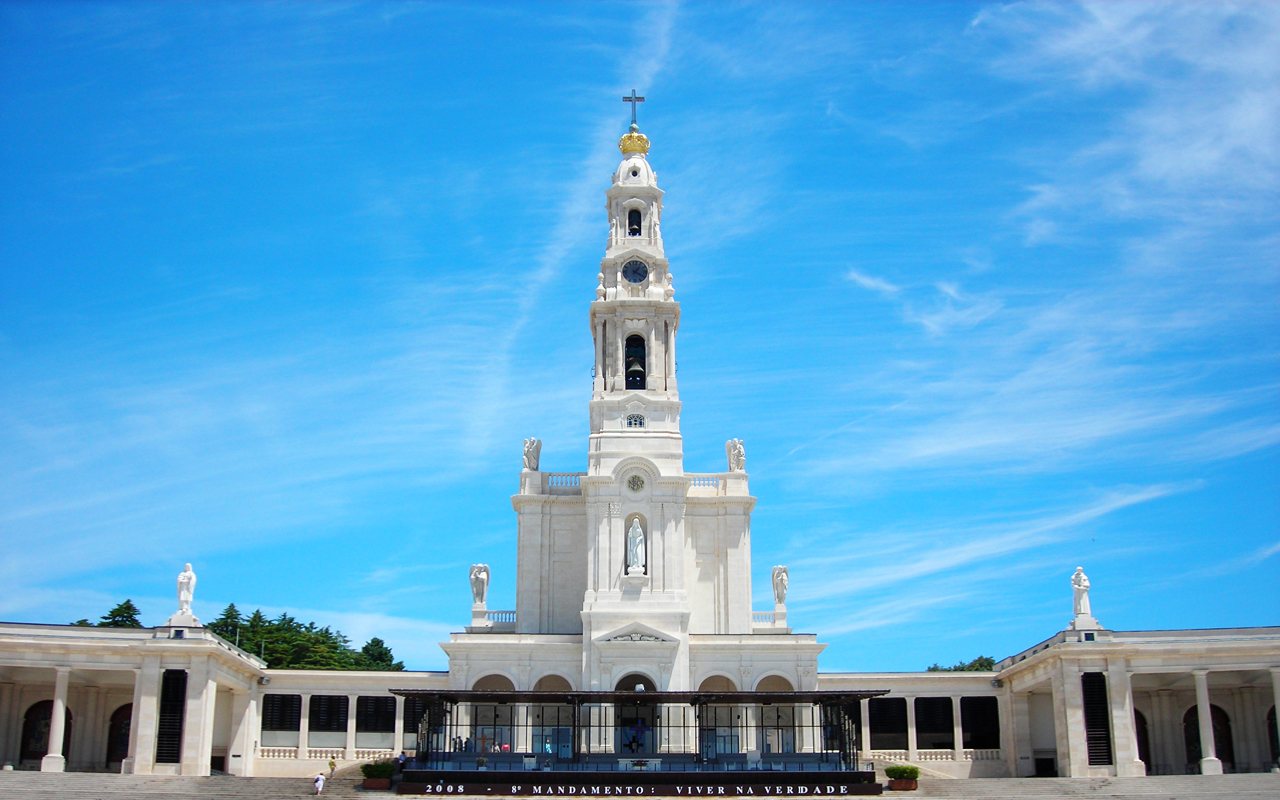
375 655
979 664
228 625
83 623
124 615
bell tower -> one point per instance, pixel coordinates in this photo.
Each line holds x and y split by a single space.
635 610
635 405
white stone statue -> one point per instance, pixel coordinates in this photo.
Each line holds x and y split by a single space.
479 583
1080 593
186 590
736 454
781 581
635 548
600 286
532 453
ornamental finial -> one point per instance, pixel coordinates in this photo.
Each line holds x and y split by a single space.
633 142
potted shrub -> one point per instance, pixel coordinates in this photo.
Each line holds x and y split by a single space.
377 774
902 778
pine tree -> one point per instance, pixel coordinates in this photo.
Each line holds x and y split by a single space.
124 615
375 655
228 625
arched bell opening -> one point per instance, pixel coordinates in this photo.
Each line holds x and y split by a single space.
634 219
634 358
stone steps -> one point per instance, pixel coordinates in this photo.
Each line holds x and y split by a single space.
1161 787
20 785
103 786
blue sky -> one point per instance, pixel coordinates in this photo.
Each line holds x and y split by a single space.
988 290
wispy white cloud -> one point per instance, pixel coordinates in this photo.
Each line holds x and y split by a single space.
872 283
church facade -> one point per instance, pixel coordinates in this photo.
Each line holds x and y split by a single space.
634 575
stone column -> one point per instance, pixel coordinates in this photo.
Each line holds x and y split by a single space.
197 723
303 724
911 729
1068 703
85 745
523 719
6 724
241 750
53 761
1123 730
349 751
864 727
1275 698
143 719
957 730
1020 757
1209 763
398 735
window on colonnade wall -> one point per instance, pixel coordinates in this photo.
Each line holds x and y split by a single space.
980 723
935 728
888 720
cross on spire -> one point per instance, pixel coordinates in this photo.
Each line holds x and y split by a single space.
633 99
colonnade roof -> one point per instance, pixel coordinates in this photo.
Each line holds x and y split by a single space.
645 698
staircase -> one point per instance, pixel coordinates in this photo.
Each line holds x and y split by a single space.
22 785
1259 786
105 786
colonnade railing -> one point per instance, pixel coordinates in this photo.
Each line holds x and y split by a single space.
665 731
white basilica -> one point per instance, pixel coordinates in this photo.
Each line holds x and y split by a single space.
635 575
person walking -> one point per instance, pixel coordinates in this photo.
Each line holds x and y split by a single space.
319 782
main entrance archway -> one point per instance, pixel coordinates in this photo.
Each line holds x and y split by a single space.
635 724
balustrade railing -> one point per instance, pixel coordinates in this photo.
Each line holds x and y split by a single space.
326 752
500 616
562 482
762 617
278 752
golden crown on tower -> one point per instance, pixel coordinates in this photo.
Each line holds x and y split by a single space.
633 142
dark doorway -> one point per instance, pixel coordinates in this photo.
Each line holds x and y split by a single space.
1144 739
35 732
1222 743
635 723
118 734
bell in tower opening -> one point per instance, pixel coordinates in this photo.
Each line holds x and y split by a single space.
633 222
635 361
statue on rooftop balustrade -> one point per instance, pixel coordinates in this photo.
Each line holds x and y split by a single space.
736 454
1080 592
532 453
479 583
186 589
781 582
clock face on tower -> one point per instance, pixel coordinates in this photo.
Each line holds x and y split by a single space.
635 271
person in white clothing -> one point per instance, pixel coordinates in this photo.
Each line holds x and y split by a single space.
319 782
